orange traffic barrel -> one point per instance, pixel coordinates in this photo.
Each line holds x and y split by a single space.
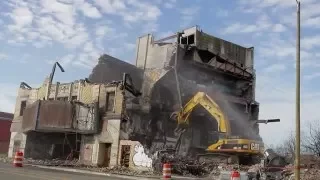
18 159
166 171
235 175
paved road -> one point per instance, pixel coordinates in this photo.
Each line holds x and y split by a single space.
8 172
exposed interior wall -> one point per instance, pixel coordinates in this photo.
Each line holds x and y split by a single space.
52 145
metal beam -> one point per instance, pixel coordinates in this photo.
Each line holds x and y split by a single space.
166 38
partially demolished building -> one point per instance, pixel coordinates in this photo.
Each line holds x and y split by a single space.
120 114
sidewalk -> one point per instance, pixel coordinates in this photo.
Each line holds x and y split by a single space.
108 174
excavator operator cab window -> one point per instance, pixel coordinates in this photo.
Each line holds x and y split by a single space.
222 136
213 137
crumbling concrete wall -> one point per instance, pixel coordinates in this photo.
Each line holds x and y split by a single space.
160 95
18 139
111 69
92 151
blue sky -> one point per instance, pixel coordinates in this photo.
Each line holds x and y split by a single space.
35 33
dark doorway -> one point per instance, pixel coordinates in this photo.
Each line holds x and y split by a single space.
125 155
107 154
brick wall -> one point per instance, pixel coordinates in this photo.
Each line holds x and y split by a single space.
5 123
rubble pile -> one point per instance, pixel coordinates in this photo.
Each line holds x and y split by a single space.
118 170
5 159
188 166
311 174
310 169
53 162
305 174
180 165
76 164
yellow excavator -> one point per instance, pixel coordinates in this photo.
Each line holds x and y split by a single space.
227 148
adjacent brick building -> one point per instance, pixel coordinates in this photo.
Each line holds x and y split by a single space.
5 123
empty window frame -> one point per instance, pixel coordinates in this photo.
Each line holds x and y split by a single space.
110 101
74 98
23 106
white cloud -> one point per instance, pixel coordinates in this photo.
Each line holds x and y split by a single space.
22 17
52 21
150 27
166 3
222 13
48 22
65 13
263 23
87 60
279 28
275 68
103 30
111 7
88 47
8 94
281 4
3 56
89 10
312 76
188 15
312 22
310 42
131 11
130 46
66 60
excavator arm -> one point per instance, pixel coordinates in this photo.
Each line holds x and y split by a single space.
212 107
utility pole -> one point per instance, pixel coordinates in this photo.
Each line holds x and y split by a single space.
297 151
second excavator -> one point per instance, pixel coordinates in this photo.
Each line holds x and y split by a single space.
226 148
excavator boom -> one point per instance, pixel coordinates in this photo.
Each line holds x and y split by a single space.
213 108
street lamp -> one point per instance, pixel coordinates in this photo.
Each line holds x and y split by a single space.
297 148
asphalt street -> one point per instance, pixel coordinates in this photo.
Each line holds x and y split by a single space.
8 172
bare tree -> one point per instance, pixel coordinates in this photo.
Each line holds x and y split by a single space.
287 148
312 140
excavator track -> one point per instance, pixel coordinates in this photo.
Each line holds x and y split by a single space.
225 158
218 158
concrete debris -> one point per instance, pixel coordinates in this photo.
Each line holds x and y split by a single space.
187 166
77 165
311 173
5 159
54 162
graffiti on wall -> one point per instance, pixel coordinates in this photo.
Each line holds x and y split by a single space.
140 158
87 152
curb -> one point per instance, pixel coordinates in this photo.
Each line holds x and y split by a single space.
107 174
88 172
